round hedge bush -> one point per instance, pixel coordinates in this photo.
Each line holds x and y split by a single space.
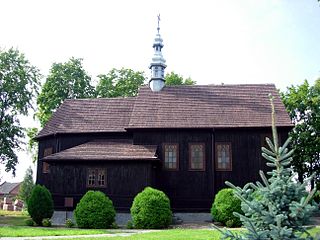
40 204
151 209
95 210
225 203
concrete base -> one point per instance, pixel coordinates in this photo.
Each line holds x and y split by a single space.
59 218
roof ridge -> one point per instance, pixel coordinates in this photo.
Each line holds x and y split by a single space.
98 98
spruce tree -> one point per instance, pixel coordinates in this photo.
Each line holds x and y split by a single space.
278 206
27 185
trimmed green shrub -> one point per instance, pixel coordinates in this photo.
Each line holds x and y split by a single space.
40 204
225 203
151 209
46 222
69 223
130 225
95 210
29 222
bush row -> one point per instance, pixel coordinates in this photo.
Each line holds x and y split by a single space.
150 209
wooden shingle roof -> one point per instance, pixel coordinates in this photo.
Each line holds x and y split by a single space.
90 115
209 106
106 149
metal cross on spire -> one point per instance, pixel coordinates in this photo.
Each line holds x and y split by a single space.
158 28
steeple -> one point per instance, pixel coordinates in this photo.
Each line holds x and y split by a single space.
158 63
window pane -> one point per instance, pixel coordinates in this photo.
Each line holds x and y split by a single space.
223 156
170 154
101 178
197 156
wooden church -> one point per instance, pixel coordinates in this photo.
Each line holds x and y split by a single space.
184 140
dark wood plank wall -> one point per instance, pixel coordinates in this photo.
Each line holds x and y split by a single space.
61 142
123 181
246 155
186 189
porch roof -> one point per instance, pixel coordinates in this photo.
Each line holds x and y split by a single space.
106 149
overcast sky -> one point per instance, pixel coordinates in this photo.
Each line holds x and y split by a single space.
213 42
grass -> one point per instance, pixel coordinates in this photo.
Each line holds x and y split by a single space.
13 213
175 234
20 231
172 234
13 218
13 225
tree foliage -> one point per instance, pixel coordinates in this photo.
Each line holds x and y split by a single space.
120 83
278 207
32 146
303 104
65 80
27 185
19 82
176 79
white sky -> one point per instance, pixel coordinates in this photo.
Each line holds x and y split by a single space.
230 41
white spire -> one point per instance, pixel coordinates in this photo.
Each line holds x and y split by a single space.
158 63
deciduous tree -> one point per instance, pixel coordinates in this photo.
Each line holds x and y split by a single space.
32 146
19 82
176 79
65 80
303 104
120 83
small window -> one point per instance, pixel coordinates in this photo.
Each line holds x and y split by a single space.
47 151
197 156
96 177
45 167
91 177
223 157
171 156
68 202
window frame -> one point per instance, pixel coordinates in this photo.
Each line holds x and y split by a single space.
216 156
45 165
164 157
203 156
96 177
47 151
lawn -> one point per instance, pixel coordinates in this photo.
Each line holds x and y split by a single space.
20 231
176 234
13 218
13 225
